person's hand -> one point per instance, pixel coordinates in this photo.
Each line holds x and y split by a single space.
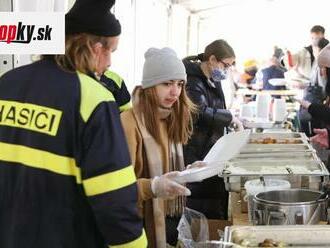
321 138
196 164
164 187
304 104
237 123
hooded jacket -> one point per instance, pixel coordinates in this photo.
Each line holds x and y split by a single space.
209 196
212 118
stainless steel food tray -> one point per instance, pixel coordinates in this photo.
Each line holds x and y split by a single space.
275 148
301 173
283 135
293 236
305 155
251 167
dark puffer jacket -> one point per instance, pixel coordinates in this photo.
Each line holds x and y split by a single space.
209 196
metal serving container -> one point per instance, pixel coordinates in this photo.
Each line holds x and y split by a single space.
289 207
277 142
273 148
282 155
309 172
292 236
284 135
297 163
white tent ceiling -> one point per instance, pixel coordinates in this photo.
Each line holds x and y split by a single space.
196 6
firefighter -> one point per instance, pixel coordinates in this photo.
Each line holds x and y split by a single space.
66 179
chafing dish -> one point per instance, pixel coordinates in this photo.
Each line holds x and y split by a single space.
307 173
297 163
277 142
292 236
308 155
284 135
274 148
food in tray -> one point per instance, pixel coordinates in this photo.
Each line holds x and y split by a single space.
274 169
245 241
250 241
269 140
271 243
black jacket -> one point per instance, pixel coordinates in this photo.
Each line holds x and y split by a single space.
117 87
212 118
66 179
209 196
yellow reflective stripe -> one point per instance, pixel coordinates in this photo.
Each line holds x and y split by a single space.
140 242
109 181
92 94
125 107
29 116
39 159
115 77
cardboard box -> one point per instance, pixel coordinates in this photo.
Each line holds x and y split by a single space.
215 225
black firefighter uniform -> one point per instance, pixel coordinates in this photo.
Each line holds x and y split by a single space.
65 174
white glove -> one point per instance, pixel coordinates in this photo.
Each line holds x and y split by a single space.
196 164
164 187
238 123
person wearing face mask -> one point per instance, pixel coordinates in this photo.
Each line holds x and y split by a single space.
204 75
156 127
66 174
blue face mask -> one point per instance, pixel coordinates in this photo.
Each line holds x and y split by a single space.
218 74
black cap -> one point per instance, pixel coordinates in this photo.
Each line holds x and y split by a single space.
92 17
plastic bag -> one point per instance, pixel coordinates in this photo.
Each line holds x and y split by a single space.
194 231
192 227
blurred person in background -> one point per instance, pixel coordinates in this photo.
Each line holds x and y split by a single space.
248 78
315 93
299 73
321 111
273 70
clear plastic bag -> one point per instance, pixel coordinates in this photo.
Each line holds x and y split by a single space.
194 231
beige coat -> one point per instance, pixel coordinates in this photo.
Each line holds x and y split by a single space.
135 145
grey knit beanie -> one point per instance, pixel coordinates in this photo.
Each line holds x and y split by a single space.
161 65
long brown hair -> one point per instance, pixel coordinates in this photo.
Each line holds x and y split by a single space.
78 52
180 121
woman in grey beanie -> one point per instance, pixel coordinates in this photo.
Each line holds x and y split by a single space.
156 127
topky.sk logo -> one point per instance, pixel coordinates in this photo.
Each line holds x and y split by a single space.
21 33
